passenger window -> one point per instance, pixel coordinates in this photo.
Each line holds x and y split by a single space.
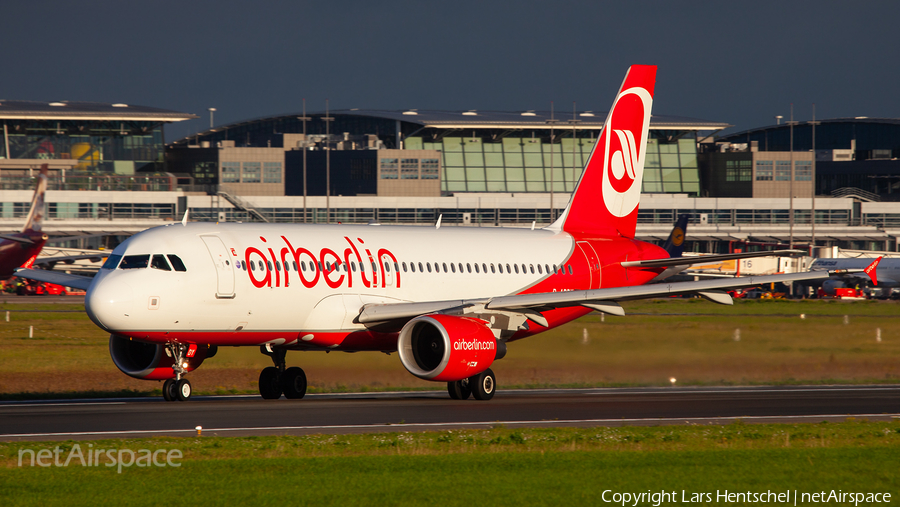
269 265
453 267
468 267
508 270
295 265
517 268
159 262
422 270
428 265
387 266
404 267
484 267
353 266
492 267
531 266
397 268
445 267
412 267
374 267
460 267
570 268
476 268
540 272
135 261
112 262
547 268
277 266
302 265
252 266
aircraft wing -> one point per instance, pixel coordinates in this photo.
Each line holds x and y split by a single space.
604 300
44 275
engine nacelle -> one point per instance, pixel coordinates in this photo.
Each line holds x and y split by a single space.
150 361
446 348
829 285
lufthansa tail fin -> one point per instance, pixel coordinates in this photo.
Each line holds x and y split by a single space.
675 244
36 214
605 201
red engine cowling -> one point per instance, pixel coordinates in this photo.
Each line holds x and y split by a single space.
150 361
446 348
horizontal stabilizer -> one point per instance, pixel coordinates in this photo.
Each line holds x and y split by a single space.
66 280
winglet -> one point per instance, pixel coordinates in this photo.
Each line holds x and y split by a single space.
871 271
184 219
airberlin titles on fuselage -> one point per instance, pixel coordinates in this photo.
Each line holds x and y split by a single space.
334 269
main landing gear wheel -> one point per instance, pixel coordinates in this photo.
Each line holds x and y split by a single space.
483 385
269 383
459 390
293 383
183 389
168 389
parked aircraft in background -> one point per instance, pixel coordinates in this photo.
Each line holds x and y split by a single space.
886 275
22 248
448 300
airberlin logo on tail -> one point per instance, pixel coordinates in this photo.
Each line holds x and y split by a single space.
625 144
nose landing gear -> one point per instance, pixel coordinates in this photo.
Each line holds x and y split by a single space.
177 388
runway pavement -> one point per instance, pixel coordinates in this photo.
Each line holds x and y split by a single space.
416 411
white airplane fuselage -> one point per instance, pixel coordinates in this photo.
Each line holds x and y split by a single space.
236 291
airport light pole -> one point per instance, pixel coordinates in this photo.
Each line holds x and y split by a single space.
327 119
551 122
211 111
813 211
791 186
304 119
574 121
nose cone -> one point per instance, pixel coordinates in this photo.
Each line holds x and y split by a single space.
109 303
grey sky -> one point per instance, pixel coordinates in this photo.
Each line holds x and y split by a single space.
740 63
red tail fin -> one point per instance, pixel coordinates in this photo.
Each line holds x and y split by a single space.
872 269
605 201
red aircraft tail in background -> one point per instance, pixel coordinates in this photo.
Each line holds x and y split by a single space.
21 249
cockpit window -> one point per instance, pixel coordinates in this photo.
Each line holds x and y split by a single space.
134 261
112 262
159 262
176 263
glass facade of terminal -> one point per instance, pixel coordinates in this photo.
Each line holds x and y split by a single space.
523 164
98 146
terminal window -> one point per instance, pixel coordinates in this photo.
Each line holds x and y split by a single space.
231 172
764 170
251 172
803 170
430 169
409 169
783 170
271 172
389 168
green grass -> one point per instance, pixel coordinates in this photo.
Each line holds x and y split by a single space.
479 467
689 339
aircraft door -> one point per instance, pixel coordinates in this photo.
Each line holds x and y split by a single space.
593 263
224 266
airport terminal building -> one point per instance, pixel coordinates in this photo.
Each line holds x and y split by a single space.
112 173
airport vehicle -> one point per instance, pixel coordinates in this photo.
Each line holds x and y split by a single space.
887 275
448 300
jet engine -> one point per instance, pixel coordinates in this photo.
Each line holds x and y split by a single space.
447 348
151 361
829 285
